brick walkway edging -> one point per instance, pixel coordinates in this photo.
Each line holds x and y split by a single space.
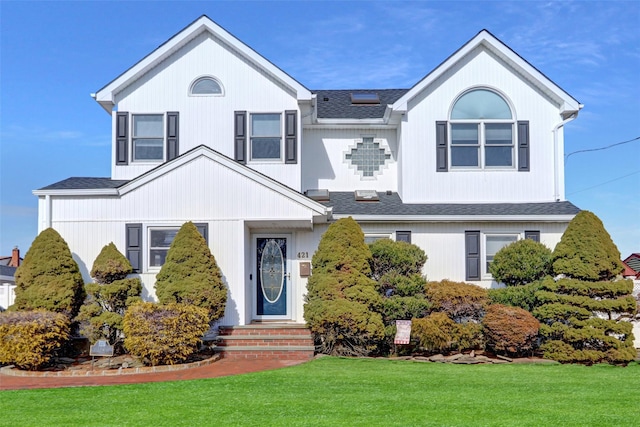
11 371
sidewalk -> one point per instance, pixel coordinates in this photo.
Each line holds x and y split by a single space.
220 368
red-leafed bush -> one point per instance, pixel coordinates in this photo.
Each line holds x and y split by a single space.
510 330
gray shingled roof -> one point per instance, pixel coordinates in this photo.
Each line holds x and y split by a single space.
338 103
344 203
5 270
84 183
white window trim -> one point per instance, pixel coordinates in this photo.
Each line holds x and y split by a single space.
486 275
250 138
153 268
376 236
205 76
133 138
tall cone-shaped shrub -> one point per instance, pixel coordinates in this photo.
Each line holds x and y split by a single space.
103 310
342 304
49 277
190 274
583 314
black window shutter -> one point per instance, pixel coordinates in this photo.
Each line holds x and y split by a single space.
523 146
533 235
403 236
134 246
203 228
240 133
173 131
472 249
442 161
291 137
122 138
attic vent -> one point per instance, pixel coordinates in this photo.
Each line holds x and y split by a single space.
319 195
365 99
366 196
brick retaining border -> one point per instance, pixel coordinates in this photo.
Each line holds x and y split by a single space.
11 371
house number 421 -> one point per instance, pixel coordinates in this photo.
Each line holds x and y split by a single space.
303 255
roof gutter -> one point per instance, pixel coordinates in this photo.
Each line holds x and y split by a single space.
556 156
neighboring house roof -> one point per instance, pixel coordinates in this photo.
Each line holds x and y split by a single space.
628 271
7 272
633 261
336 104
391 207
568 104
106 95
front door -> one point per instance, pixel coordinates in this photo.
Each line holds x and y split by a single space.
272 277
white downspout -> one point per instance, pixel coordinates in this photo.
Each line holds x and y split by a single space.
47 212
556 160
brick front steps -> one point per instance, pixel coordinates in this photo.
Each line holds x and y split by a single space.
269 341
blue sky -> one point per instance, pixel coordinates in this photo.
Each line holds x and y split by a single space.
54 54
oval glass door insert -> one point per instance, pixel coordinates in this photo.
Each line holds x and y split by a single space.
272 271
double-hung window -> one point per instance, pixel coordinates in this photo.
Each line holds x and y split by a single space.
266 136
148 137
482 131
495 242
160 240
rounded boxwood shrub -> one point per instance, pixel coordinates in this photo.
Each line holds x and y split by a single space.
103 309
437 333
462 302
342 307
521 262
30 338
164 334
190 274
49 277
402 258
523 296
510 330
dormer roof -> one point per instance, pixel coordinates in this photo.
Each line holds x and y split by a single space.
106 95
484 39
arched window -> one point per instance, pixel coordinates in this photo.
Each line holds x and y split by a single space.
482 131
205 86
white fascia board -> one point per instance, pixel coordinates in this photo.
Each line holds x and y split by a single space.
566 101
457 218
231 164
82 192
105 96
349 126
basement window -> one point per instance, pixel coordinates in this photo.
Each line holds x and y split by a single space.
365 99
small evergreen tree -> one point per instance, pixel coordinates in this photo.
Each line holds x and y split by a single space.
397 267
586 251
190 274
102 312
583 314
342 305
521 262
49 277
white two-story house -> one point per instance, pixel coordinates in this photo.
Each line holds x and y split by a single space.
205 129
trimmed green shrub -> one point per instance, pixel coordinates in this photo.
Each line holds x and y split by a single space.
461 301
521 262
523 296
101 314
49 277
30 338
164 334
586 251
402 258
397 267
437 333
190 274
510 330
342 305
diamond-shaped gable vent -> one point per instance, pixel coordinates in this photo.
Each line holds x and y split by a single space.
367 157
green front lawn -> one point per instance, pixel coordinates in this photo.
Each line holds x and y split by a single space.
351 392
